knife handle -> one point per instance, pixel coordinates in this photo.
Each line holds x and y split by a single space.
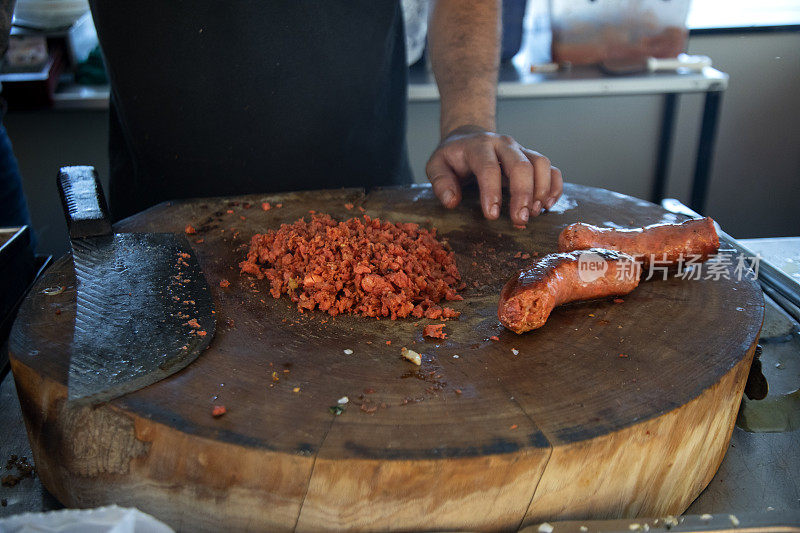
83 202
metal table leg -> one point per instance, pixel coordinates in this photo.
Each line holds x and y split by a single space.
664 147
705 150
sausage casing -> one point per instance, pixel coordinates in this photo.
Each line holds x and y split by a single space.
528 298
666 244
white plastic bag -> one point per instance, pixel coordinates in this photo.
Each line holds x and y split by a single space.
111 519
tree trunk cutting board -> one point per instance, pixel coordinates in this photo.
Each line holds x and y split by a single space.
609 410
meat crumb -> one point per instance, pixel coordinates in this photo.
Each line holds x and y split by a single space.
224 283
348 206
434 331
193 322
265 206
369 409
190 229
24 470
218 411
494 338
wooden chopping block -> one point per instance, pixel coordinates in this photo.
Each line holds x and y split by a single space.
609 410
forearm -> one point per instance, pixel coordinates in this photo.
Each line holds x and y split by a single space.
464 44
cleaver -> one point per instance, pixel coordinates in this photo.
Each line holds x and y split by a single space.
144 309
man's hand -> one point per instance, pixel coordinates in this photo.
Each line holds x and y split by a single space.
464 46
492 159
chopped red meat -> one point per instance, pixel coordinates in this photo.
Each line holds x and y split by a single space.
362 265
434 331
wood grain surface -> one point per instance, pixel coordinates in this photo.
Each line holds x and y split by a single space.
566 428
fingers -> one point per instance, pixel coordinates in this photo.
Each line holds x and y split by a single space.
541 180
483 163
534 184
443 180
556 187
519 171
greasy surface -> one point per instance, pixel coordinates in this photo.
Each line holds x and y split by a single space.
661 243
488 411
528 297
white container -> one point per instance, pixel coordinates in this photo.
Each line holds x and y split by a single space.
49 14
596 31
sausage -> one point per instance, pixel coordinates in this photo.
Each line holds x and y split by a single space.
528 298
666 244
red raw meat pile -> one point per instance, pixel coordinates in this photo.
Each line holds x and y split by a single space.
367 267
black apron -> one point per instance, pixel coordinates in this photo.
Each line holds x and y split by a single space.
223 98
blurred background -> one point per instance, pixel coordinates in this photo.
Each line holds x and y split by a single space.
57 93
